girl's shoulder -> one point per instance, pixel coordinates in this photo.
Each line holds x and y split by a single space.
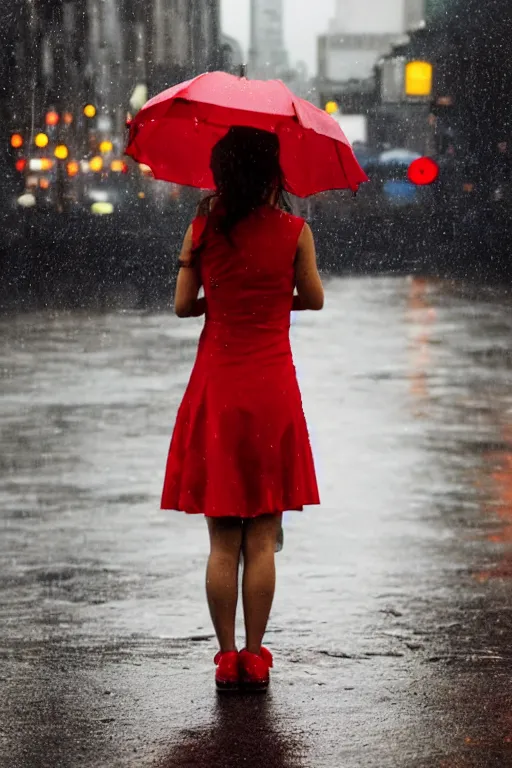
289 221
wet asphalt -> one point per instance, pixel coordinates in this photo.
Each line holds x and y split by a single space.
392 623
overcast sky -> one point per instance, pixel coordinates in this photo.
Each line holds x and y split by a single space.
304 20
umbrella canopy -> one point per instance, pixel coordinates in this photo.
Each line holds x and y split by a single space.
175 132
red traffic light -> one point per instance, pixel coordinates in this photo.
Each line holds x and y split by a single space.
423 171
20 164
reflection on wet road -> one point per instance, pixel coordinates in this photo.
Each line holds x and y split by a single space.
392 623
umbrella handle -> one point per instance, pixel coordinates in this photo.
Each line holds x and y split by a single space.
243 70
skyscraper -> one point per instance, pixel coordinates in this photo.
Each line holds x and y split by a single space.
361 31
268 57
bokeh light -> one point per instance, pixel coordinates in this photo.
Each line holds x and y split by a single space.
52 118
423 171
96 163
61 152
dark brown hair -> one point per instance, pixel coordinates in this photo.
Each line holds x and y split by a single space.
246 170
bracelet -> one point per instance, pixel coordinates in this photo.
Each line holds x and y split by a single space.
186 264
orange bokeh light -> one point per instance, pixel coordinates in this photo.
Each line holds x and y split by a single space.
73 168
52 118
118 166
16 140
96 163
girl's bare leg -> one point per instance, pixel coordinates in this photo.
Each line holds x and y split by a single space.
259 579
222 577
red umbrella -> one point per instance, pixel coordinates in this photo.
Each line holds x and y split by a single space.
174 133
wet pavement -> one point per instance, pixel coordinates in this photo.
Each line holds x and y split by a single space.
392 623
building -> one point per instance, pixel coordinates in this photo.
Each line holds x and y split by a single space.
436 9
61 55
68 52
184 39
232 55
268 57
361 32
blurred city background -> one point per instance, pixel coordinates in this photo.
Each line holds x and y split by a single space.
392 624
405 79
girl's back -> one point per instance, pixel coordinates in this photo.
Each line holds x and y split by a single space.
250 280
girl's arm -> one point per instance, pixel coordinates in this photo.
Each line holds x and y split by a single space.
186 303
307 279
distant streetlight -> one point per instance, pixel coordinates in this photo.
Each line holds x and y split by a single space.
89 110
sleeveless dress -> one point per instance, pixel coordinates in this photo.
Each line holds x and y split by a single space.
240 445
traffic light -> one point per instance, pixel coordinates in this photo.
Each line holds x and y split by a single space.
418 78
423 171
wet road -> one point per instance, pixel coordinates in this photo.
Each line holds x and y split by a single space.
392 623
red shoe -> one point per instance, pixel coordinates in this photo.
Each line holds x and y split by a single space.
254 669
227 673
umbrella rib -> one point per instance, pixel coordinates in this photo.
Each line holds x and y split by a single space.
288 93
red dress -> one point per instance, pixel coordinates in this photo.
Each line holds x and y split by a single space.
240 446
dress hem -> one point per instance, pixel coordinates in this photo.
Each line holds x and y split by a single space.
297 508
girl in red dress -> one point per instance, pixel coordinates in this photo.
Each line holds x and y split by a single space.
240 451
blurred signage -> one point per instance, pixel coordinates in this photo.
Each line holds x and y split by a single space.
392 79
418 78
